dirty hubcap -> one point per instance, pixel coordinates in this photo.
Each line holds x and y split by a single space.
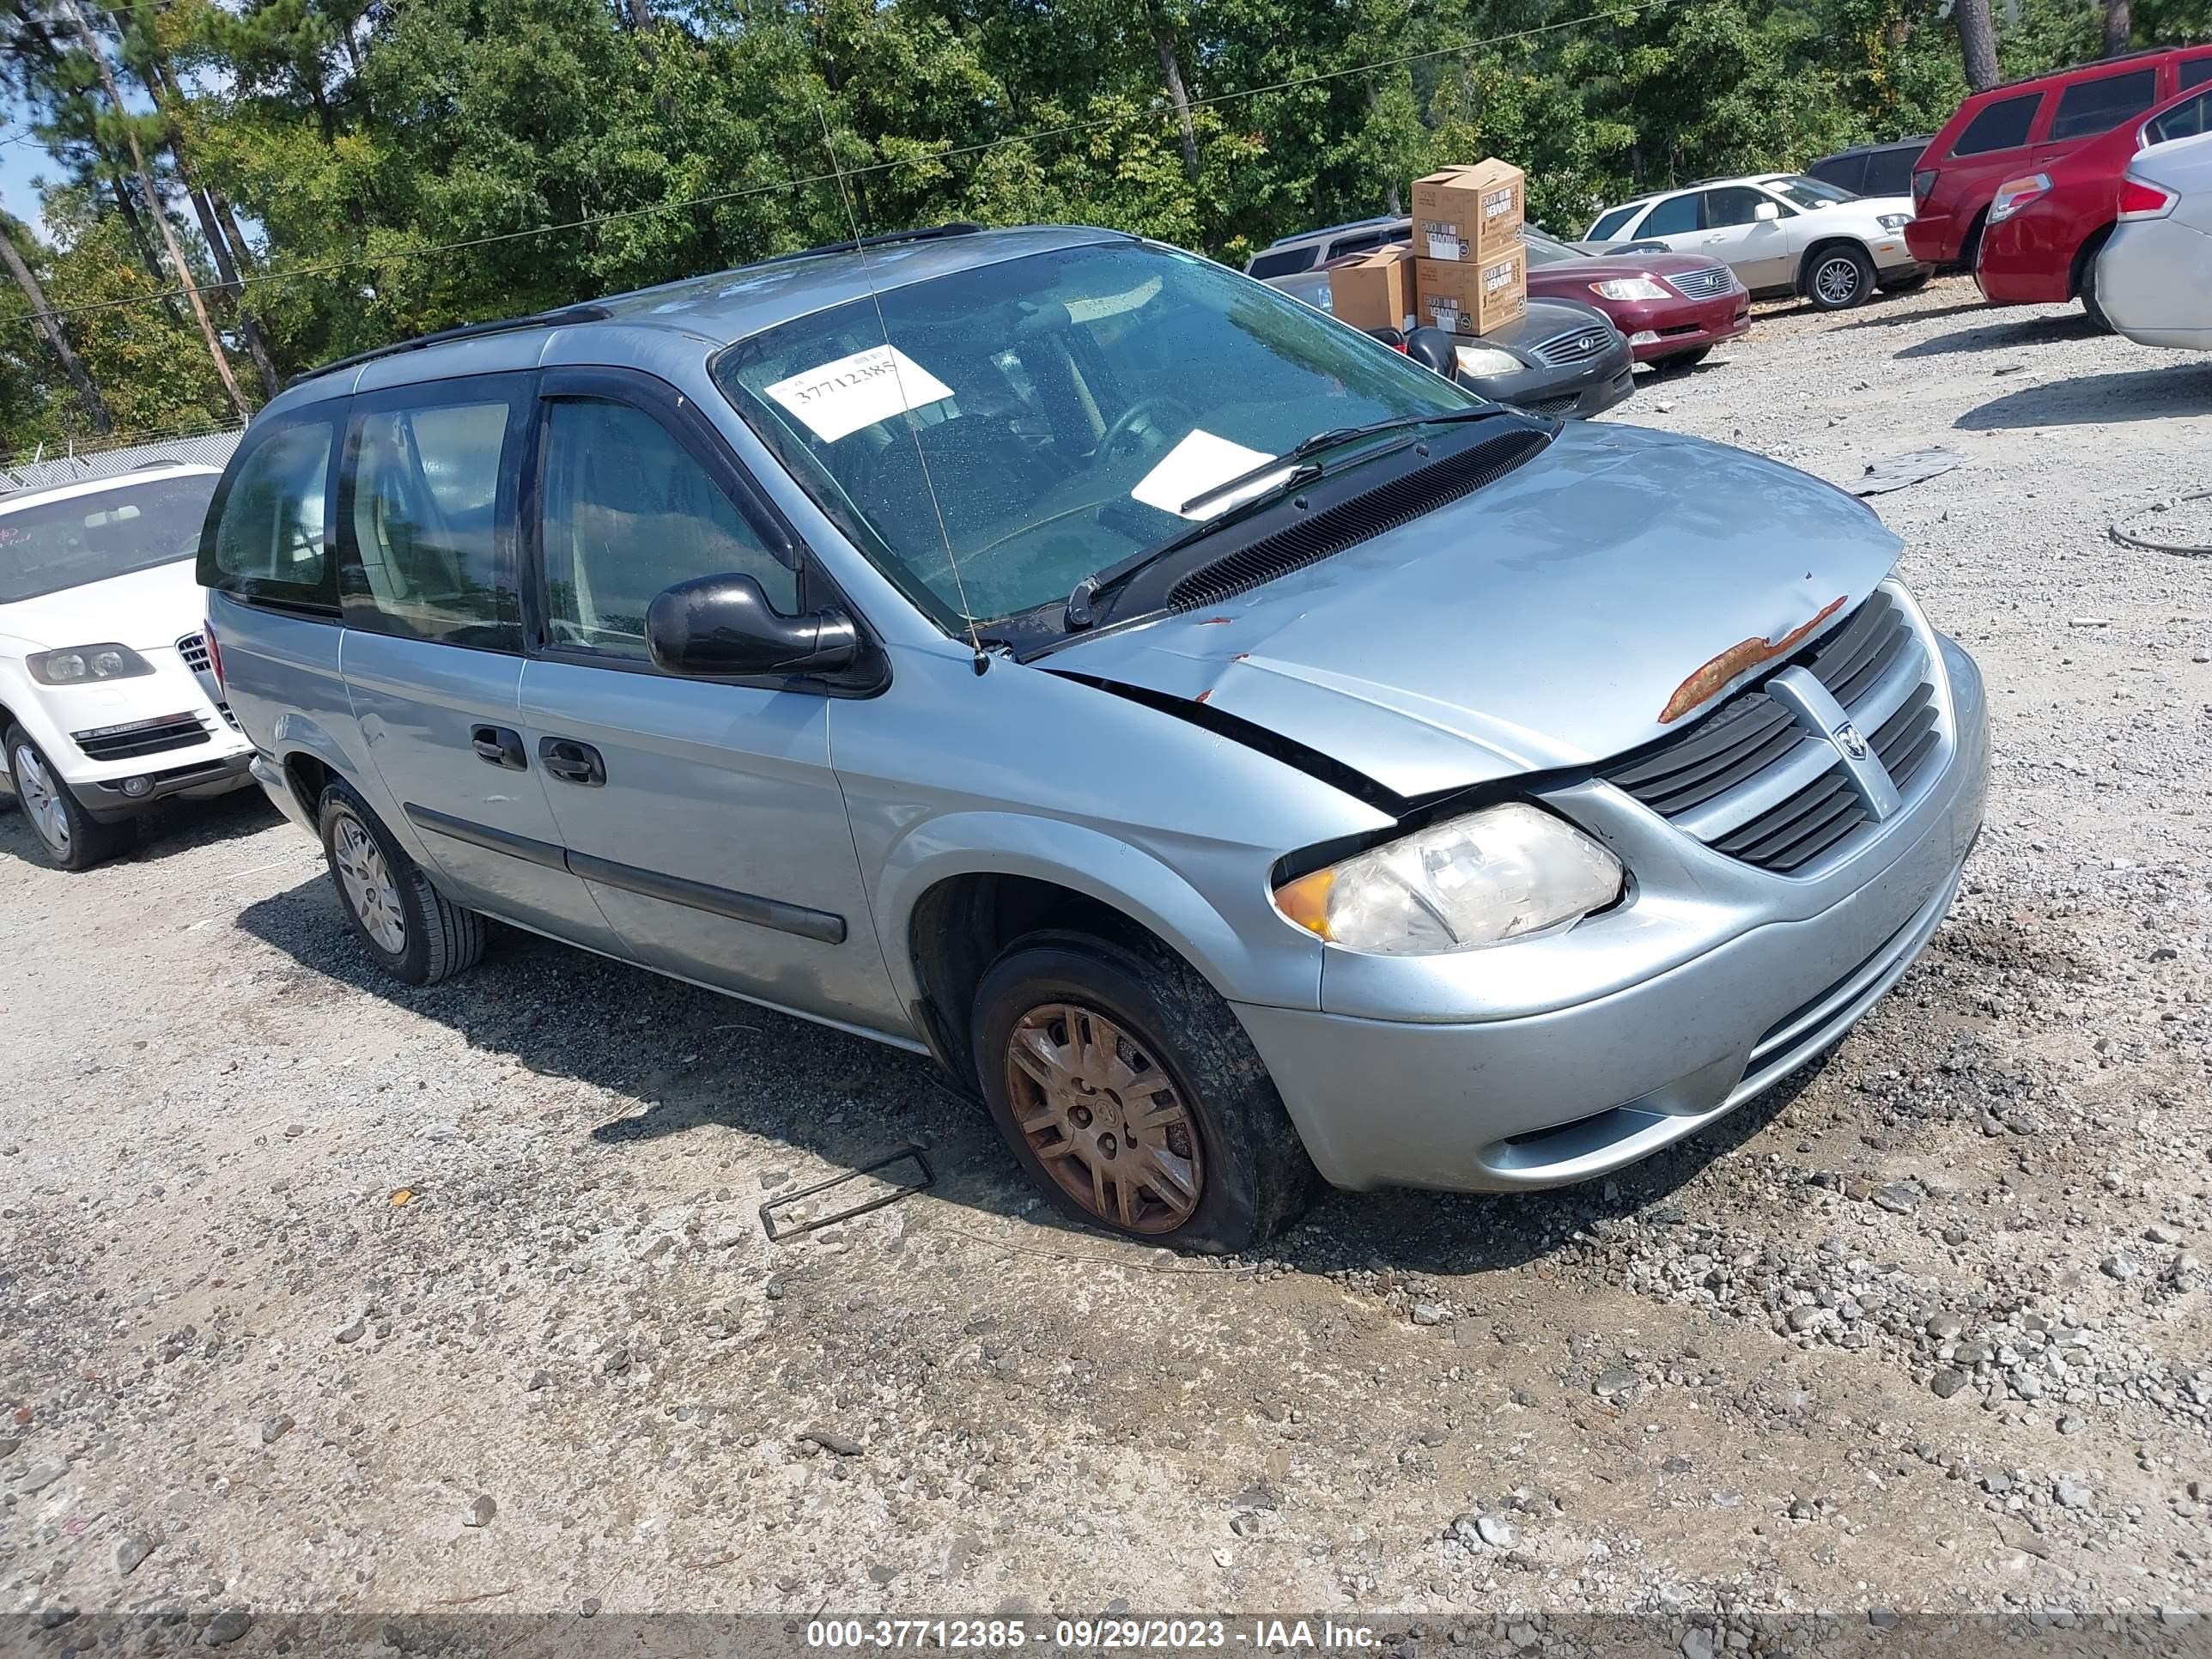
41 800
368 885
1838 282
1104 1118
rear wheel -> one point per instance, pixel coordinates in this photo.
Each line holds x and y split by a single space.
70 837
1839 277
1131 1094
417 933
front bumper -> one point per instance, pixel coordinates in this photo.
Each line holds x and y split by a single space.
1577 1088
1576 393
106 801
1893 259
1683 325
2153 280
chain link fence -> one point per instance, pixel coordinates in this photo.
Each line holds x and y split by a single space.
45 468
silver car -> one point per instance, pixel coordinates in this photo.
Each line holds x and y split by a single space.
2155 275
1241 757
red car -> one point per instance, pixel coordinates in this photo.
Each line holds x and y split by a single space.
2045 226
2026 127
1673 308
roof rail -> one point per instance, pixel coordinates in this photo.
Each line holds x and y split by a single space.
465 331
887 239
2083 69
1331 230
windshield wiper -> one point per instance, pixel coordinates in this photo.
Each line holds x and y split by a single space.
1080 610
1332 439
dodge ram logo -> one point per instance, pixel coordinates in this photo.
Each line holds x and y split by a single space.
1849 740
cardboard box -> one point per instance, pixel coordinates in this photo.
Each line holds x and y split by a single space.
1466 296
1375 293
1469 212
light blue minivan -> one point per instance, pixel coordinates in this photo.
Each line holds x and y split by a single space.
1241 757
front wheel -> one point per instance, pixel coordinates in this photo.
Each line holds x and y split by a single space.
1838 278
2090 303
417 933
1131 1094
1683 361
70 837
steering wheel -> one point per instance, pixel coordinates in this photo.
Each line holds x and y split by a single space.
1128 420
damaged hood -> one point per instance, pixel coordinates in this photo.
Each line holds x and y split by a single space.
1549 619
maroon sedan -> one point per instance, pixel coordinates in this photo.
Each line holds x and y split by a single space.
1673 308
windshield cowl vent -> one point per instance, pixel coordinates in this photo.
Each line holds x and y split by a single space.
1362 518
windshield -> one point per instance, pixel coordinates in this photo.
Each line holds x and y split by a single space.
112 532
1809 193
1543 250
1066 405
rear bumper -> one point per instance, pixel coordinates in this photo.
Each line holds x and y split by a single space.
2155 282
274 785
1933 240
2021 262
1582 1090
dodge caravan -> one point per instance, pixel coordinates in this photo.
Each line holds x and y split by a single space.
1239 755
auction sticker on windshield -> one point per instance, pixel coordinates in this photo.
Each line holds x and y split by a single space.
1195 465
839 399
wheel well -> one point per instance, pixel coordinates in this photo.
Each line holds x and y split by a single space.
2083 255
963 924
308 777
1812 253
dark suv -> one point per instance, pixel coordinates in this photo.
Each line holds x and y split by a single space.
1872 169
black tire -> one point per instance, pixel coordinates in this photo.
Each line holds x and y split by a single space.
1970 251
68 837
416 933
1682 361
1836 278
1906 284
1237 1144
2087 287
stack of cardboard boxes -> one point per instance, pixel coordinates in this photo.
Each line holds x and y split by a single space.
1467 270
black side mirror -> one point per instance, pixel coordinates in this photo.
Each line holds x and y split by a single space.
724 628
1431 348
1390 336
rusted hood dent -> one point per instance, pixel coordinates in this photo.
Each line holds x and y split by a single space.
1603 594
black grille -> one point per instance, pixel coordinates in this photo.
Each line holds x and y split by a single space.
1704 284
1566 350
1351 522
1720 777
142 737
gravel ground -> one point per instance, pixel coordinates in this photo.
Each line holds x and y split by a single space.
318 1294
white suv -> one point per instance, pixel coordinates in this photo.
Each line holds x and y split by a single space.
108 699
1781 232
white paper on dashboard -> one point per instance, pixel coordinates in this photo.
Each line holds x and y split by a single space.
840 397
1195 465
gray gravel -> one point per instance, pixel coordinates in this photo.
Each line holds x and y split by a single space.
361 1298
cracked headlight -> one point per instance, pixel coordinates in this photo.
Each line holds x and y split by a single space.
1502 873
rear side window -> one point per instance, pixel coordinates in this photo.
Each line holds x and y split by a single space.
2093 107
1673 217
2195 72
1282 261
629 513
2183 121
1844 172
270 515
1738 204
1609 227
425 548
2001 125
1889 172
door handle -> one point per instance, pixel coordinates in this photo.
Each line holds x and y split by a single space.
496 745
572 762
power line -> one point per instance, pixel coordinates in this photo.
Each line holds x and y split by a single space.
305 273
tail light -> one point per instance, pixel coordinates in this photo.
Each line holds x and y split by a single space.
215 655
2014 194
1924 185
2139 200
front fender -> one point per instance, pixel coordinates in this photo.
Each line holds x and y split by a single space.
1279 967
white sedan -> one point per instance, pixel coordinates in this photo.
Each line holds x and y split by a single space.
2155 276
108 699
